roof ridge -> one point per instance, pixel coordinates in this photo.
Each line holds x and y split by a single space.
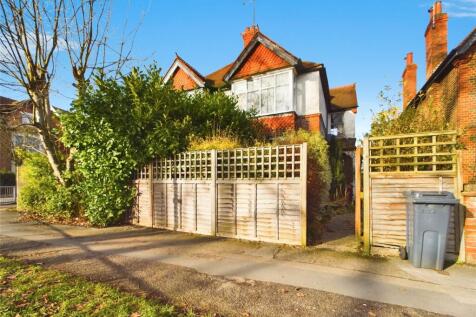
189 66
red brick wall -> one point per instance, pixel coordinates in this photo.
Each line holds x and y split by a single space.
182 81
466 117
275 125
453 101
278 124
5 149
311 122
469 200
260 60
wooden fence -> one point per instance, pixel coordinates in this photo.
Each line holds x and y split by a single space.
254 193
393 165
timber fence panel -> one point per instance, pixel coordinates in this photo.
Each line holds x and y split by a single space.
248 193
394 165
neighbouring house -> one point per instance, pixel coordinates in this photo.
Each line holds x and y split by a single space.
286 92
450 91
13 114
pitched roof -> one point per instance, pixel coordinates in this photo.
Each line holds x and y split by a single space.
260 38
446 65
187 68
215 79
5 101
343 98
221 77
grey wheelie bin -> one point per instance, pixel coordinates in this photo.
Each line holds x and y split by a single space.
428 217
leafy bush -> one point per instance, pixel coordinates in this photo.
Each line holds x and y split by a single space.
116 126
318 152
214 114
220 142
391 120
40 193
7 178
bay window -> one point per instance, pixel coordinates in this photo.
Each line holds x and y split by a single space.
267 94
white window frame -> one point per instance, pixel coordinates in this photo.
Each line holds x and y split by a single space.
26 117
244 83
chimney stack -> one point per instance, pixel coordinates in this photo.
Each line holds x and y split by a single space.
409 78
436 38
249 33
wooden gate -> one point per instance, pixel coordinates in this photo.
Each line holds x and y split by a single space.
254 193
394 165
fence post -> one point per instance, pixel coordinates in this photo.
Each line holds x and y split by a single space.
357 193
459 209
213 193
151 195
367 234
303 179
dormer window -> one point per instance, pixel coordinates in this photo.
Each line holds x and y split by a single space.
267 94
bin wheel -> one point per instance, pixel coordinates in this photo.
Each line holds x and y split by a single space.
403 253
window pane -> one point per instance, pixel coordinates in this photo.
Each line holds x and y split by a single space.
282 79
282 99
253 100
253 85
242 101
267 100
239 88
267 82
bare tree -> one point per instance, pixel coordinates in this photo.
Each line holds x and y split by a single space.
32 32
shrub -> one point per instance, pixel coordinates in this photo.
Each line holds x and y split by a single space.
117 126
391 120
220 142
40 194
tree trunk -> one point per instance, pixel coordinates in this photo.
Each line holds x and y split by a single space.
44 123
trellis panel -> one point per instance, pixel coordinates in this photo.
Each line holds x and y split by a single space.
394 165
254 193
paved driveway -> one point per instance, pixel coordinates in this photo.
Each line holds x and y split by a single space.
236 278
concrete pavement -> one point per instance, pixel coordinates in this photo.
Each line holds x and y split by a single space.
389 281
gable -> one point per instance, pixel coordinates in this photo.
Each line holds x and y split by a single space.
181 80
260 60
261 54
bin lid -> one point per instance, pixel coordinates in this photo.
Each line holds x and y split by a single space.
432 197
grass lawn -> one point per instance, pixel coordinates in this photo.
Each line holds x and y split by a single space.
30 290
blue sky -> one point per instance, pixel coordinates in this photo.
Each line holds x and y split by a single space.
358 41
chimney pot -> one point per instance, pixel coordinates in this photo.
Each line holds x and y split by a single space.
409 79
436 38
409 58
438 7
249 33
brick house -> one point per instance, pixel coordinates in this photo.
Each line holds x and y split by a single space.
14 113
286 92
450 91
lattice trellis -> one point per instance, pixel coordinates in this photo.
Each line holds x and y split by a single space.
422 152
259 162
273 162
188 165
